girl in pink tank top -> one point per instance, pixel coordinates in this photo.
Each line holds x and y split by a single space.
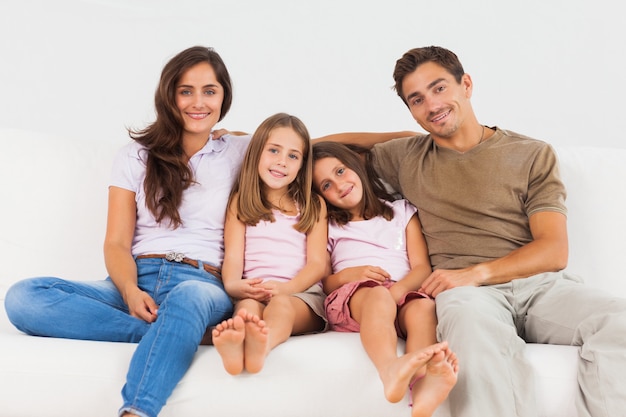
381 301
275 237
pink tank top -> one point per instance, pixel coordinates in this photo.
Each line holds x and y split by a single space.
274 250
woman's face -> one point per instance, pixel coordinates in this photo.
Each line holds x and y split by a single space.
338 184
199 99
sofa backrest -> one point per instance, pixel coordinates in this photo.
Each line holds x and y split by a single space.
596 201
54 203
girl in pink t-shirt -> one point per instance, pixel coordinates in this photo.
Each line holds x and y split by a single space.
275 238
382 301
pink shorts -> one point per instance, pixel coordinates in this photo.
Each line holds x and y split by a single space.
338 311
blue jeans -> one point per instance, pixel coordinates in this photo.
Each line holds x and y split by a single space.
190 300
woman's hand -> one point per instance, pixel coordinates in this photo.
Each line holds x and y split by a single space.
141 305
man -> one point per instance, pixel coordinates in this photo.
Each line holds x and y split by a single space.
491 204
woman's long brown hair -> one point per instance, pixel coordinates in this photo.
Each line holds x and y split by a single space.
167 170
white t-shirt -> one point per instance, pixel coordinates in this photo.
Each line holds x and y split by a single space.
376 241
201 236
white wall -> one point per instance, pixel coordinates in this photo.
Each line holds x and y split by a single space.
546 68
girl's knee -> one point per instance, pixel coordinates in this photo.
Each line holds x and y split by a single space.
420 306
379 296
281 301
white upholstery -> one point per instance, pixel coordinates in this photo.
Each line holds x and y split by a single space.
52 218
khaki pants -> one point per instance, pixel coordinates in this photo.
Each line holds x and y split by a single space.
488 327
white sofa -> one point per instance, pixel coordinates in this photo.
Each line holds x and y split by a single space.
53 220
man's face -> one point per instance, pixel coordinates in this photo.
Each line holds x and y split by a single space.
437 102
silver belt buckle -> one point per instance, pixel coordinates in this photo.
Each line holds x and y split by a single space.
174 257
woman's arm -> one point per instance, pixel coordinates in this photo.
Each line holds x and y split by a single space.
121 220
547 252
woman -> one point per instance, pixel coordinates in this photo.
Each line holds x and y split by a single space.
164 240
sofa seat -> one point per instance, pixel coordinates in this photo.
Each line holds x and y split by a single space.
53 217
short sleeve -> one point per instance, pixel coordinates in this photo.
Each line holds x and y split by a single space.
546 191
129 167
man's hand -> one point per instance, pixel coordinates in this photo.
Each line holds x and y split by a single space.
443 279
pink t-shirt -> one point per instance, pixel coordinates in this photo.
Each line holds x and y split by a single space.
375 242
274 250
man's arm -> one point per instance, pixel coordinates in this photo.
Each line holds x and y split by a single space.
365 139
547 252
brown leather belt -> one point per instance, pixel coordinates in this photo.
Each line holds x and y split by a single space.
180 258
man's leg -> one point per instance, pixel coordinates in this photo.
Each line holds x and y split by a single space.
494 378
570 313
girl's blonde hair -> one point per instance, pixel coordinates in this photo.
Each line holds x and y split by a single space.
252 205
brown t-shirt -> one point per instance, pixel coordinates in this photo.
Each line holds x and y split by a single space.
473 206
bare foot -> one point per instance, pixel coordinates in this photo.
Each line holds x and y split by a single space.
431 390
228 337
397 375
256 345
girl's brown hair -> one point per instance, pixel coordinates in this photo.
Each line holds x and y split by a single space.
167 170
358 159
252 205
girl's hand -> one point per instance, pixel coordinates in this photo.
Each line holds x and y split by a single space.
276 288
248 288
362 273
218 133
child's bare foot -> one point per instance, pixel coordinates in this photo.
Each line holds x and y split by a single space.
228 337
256 345
398 374
431 390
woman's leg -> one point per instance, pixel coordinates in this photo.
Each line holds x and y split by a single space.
190 300
90 310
